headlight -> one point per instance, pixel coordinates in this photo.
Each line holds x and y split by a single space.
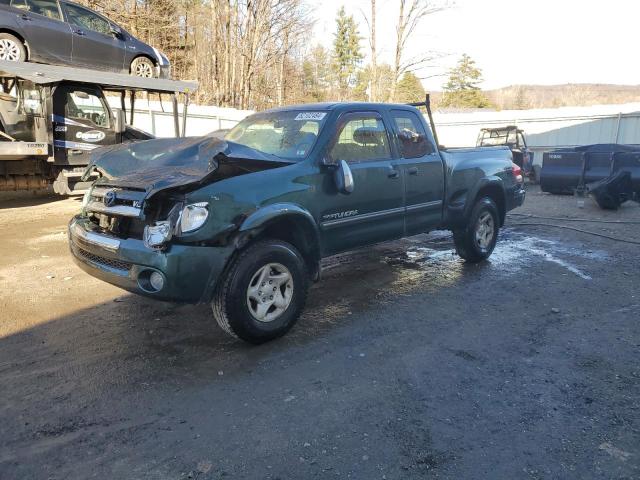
193 217
156 235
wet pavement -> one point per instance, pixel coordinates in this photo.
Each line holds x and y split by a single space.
408 363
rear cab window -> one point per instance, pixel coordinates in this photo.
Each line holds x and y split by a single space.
412 136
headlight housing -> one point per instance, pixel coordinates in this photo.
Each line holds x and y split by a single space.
193 217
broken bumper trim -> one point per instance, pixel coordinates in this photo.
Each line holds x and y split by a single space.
191 271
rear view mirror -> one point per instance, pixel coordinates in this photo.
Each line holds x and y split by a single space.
343 177
120 121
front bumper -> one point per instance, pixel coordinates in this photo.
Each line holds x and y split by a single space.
164 71
190 273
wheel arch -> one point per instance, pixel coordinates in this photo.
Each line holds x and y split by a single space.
290 223
494 189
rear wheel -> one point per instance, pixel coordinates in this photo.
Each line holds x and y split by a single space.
143 67
12 49
263 292
476 241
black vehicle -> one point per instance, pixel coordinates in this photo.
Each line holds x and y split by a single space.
52 118
65 33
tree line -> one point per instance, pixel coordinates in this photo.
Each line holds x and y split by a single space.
256 54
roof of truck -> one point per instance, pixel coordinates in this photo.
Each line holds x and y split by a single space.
328 106
47 74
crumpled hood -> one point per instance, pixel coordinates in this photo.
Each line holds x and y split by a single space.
155 165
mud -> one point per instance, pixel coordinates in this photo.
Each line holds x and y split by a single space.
408 363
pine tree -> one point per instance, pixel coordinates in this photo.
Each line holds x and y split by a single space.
346 52
409 89
462 88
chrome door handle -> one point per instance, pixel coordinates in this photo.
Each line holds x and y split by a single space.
26 17
79 32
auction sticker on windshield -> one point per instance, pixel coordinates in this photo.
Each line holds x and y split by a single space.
310 116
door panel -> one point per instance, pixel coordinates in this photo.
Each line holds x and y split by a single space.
374 211
93 42
48 36
422 170
81 123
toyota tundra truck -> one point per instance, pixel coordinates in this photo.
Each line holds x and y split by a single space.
242 222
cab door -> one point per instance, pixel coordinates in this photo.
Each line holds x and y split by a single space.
81 122
95 42
42 23
374 211
422 169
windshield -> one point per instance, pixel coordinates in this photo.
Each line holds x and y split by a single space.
289 134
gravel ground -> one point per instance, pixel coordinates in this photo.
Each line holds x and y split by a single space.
407 364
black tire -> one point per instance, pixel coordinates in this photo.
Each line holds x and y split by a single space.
12 49
143 67
466 241
231 306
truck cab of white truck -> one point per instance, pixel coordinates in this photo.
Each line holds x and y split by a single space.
52 118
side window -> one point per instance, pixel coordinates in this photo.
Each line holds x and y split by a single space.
19 4
83 18
81 105
46 8
412 137
363 138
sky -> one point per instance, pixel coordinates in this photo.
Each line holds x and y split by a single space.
541 42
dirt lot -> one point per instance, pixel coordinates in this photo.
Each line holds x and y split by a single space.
408 364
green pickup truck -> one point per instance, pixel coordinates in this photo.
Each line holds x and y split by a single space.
242 222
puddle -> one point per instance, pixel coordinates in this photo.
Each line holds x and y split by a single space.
359 281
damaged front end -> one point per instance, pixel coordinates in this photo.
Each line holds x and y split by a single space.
141 225
143 187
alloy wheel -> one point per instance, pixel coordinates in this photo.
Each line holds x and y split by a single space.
484 230
270 292
9 50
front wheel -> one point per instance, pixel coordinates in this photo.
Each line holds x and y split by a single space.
476 241
263 292
143 67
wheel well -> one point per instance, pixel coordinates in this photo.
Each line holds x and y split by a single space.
143 55
495 193
298 232
19 37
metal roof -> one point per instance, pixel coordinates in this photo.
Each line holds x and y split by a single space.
46 74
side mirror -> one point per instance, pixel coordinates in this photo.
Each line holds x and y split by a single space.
343 177
116 32
120 121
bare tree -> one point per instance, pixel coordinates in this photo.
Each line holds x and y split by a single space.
410 14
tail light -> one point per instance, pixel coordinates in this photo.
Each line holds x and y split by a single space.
517 172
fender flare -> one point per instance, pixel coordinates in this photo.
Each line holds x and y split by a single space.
266 214
458 212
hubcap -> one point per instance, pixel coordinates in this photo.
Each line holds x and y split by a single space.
484 230
270 292
9 50
143 69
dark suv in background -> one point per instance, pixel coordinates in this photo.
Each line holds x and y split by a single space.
65 33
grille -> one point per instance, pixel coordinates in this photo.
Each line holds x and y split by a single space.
107 262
